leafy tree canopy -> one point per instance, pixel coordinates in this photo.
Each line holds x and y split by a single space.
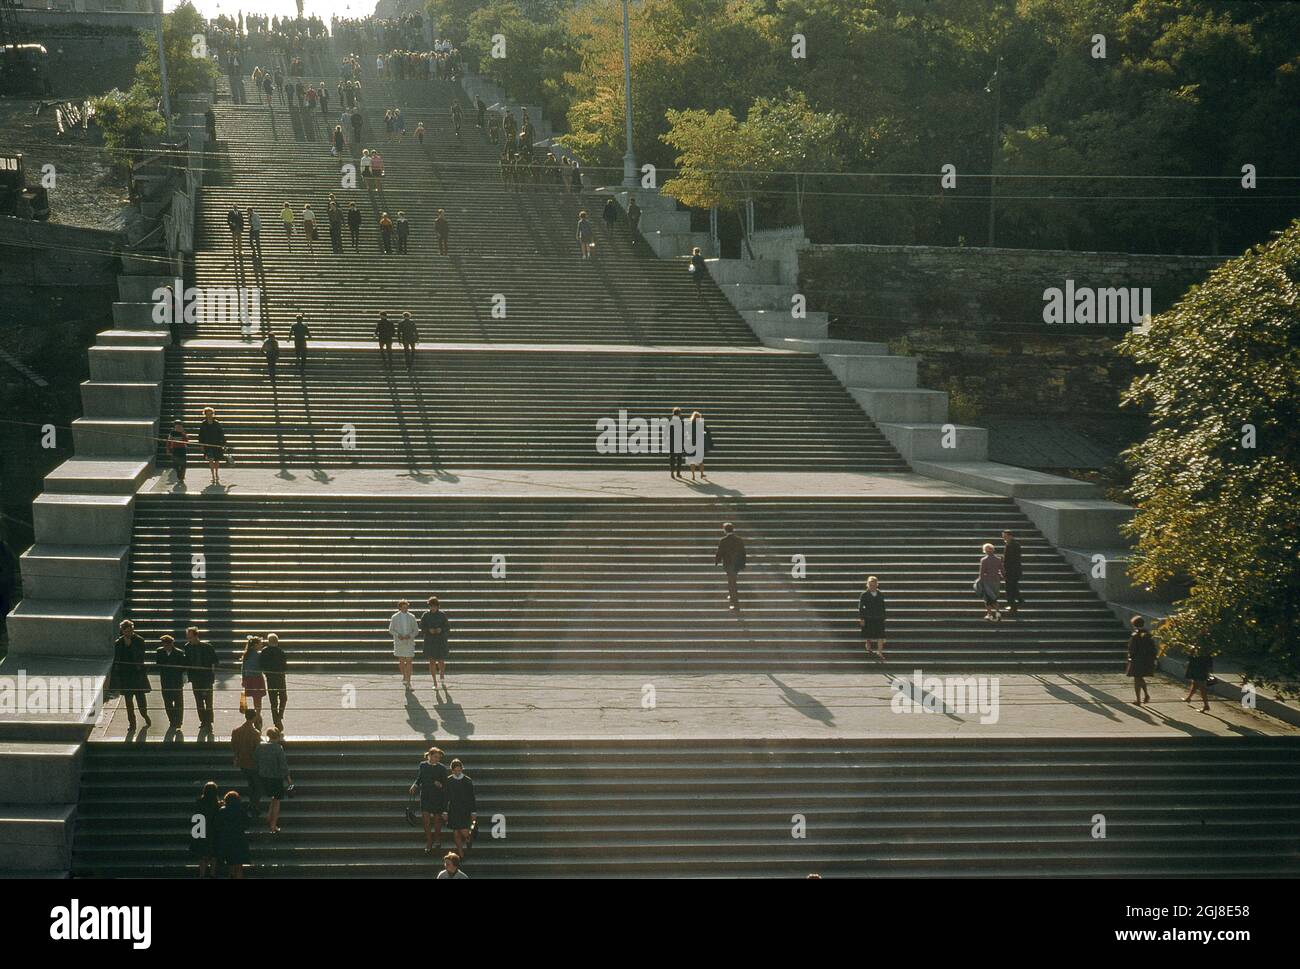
1217 482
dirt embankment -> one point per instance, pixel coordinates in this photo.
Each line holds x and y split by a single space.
87 191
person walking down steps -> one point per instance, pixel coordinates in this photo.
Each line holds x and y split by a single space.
442 229
403 627
384 333
354 226
871 617
407 333
300 334
212 438
586 242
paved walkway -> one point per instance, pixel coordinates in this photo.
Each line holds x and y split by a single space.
613 706
506 483
255 343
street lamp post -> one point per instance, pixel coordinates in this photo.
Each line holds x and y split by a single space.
995 87
162 72
629 159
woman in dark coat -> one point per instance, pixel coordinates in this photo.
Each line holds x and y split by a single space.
127 675
232 835
203 833
1141 660
431 782
871 616
461 806
212 438
1199 668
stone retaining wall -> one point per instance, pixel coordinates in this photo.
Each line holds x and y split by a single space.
975 318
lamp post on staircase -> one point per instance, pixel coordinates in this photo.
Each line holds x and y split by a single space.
162 72
629 159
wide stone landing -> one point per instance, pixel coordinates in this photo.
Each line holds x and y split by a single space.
469 483
740 705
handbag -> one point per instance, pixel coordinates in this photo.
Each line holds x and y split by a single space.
413 817
243 701
230 456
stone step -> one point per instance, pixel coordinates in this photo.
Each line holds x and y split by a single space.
1078 521
64 628
44 773
98 476
902 406
133 364
134 338
68 571
137 401
918 443
1004 479
115 437
71 519
36 837
859 370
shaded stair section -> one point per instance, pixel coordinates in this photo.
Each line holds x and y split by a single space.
1203 807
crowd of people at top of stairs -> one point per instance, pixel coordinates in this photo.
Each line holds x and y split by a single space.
371 33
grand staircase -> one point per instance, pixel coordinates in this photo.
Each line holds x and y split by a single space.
524 347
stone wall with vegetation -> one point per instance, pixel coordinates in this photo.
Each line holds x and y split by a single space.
974 316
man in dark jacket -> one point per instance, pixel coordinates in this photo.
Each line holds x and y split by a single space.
335 216
731 556
409 336
271 350
201 665
354 225
128 676
274 664
171 672
235 221
300 333
384 332
1011 570
442 229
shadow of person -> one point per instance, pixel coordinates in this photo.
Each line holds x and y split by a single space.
454 721
804 703
417 715
712 488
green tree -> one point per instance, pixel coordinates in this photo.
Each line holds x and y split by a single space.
1214 505
719 162
127 119
537 54
791 137
187 73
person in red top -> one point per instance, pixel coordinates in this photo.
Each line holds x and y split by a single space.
177 443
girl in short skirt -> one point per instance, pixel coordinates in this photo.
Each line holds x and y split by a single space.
254 682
